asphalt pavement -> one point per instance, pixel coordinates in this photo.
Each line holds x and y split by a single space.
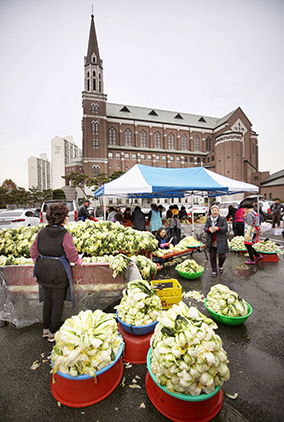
255 352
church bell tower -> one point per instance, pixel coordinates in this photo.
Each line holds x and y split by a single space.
95 158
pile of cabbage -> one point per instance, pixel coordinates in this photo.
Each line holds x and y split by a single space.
11 260
189 266
91 238
187 356
183 245
86 343
267 246
237 243
140 305
105 237
146 266
188 242
119 264
16 242
224 301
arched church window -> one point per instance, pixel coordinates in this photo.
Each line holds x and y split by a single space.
96 170
183 142
171 140
112 136
127 137
143 138
95 127
208 144
196 143
157 140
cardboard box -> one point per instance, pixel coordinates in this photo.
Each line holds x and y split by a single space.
277 231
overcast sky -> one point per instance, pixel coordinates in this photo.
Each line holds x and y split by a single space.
204 57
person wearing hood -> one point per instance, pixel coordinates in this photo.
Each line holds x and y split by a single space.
52 251
217 244
111 213
117 217
139 219
155 219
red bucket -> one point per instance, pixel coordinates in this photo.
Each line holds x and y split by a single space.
180 410
273 257
136 347
86 392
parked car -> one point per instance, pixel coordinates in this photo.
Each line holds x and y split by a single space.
224 207
36 211
16 218
73 207
198 210
264 205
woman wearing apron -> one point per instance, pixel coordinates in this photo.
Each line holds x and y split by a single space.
52 251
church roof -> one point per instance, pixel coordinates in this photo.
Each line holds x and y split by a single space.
274 179
123 111
93 44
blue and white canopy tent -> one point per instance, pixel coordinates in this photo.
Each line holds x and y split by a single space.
157 182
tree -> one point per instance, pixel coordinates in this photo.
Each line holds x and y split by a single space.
19 197
78 180
4 194
9 184
58 194
35 195
46 194
98 181
116 174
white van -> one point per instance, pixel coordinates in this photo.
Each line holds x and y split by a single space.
71 205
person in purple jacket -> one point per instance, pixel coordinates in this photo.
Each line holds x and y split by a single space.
52 251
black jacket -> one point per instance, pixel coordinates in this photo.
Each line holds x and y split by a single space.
221 236
50 272
139 220
83 211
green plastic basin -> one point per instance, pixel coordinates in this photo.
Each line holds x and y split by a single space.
226 320
190 276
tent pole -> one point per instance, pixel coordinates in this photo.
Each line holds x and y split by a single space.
192 216
104 202
258 207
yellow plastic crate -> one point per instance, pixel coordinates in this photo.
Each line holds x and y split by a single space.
170 295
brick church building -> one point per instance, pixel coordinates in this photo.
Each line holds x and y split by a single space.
117 136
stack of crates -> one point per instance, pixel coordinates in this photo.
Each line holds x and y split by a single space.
168 295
